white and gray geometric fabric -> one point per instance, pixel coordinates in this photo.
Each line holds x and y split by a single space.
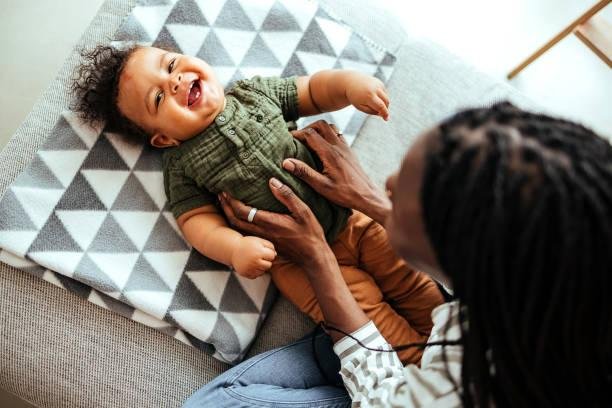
89 212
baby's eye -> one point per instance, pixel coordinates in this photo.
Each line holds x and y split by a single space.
171 65
158 98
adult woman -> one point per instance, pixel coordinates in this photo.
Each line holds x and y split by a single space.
511 209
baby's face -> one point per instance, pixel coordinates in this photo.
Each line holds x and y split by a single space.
172 97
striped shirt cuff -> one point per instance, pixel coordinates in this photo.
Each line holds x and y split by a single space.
348 348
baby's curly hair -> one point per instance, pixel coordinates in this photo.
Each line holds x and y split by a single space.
95 88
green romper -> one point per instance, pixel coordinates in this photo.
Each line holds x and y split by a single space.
241 150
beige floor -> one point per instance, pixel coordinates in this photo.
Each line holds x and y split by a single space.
494 35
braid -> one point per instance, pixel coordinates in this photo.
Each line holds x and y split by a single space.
518 208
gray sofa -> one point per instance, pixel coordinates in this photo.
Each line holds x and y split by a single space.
58 350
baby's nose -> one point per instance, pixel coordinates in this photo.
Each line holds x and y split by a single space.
177 82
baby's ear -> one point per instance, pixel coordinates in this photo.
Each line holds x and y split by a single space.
161 141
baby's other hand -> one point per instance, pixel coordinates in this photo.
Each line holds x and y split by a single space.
368 94
253 256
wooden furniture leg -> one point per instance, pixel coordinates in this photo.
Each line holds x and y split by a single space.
568 30
597 35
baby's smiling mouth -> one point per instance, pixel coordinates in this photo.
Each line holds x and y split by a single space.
194 92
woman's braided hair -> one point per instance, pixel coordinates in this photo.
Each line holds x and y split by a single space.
518 208
95 88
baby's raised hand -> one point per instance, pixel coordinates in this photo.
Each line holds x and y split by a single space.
253 256
368 94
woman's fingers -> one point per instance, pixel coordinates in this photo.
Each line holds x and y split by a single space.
299 134
239 209
312 139
288 198
303 171
324 130
232 209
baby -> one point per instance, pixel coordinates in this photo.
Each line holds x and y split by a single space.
236 142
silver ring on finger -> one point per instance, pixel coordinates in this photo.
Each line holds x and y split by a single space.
335 129
251 215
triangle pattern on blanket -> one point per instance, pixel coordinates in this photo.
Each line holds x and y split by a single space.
65 138
164 238
89 273
224 336
189 38
186 12
129 152
90 213
166 41
80 196
38 175
103 156
12 215
150 159
191 297
232 16
111 238
144 277
257 11
54 237
133 196
280 19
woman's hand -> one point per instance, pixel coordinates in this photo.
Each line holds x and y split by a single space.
297 235
342 180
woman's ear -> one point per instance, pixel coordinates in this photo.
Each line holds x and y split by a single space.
161 141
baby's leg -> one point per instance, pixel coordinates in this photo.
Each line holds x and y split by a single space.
293 283
411 293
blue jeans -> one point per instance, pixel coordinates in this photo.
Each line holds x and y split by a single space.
284 377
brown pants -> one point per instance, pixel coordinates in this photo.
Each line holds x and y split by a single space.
398 299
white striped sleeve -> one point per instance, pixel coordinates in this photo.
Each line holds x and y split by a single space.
378 378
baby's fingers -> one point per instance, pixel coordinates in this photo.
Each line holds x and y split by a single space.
267 243
380 107
268 254
367 109
382 94
263 266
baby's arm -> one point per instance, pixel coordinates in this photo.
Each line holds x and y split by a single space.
334 89
206 230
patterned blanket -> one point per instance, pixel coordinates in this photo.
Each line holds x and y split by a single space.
89 212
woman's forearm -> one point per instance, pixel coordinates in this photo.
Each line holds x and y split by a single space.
339 307
375 205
